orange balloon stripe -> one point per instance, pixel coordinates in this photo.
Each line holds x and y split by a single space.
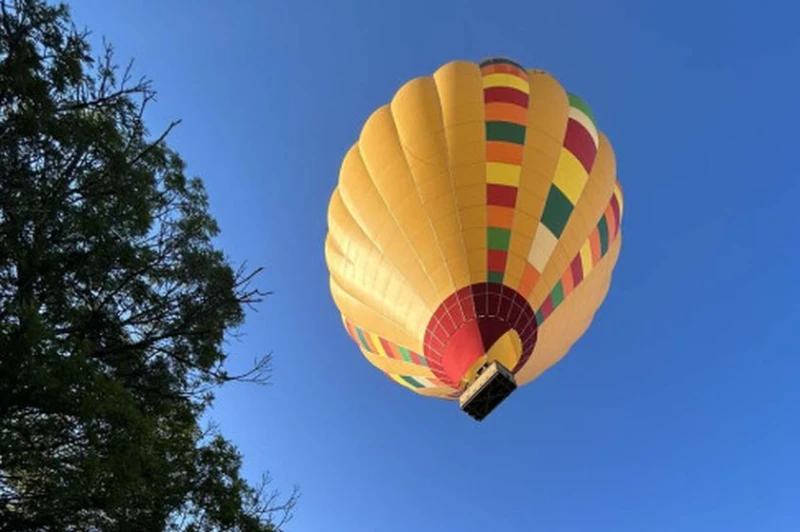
529 277
567 282
504 152
498 216
350 330
506 112
594 241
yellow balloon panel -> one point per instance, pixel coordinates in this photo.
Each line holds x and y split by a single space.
546 124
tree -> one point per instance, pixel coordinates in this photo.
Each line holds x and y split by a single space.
115 307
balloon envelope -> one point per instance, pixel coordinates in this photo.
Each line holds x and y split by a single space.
476 219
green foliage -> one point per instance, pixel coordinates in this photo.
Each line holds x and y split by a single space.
114 304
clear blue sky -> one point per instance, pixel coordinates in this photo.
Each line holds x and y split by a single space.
679 410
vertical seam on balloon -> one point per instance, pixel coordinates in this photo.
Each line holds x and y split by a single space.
528 266
455 196
390 211
407 153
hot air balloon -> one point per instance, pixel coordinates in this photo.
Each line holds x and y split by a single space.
473 231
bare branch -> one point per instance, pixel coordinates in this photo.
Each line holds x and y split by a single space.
157 142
